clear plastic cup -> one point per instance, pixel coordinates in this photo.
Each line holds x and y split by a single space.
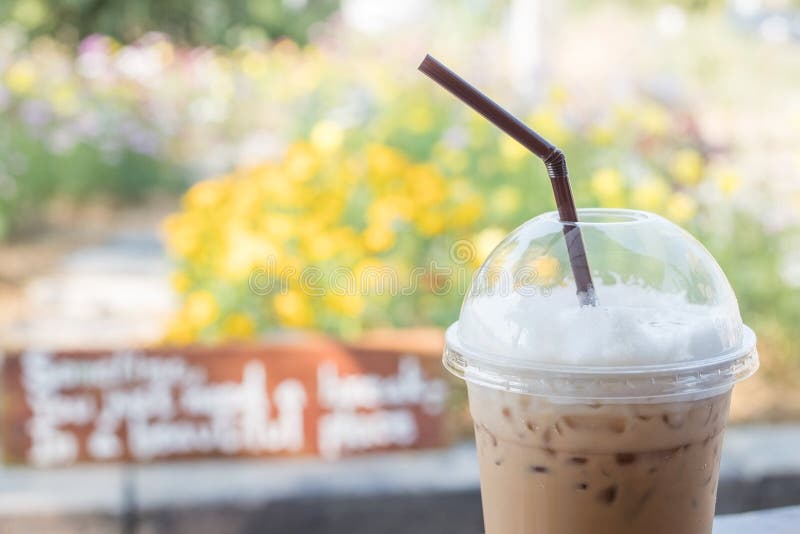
606 419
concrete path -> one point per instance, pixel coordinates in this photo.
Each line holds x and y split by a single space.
116 294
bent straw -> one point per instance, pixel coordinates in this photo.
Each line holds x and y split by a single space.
553 158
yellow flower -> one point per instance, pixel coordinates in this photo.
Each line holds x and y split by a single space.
623 114
488 164
238 326
384 161
348 241
468 204
728 180
681 207
653 119
349 173
511 150
559 95
286 47
181 234
245 197
371 273
113 45
206 194
64 99
166 50
301 162
327 136
385 211
547 269
245 251
276 225
607 185
378 238
201 308
479 131
292 308
485 242
180 332
180 281
346 304
687 166
495 269
329 207
601 135
320 246
455 161
21 76
467 212
547 122
419 118
426 185
505 200
272 181
430 223
650 194
254 64
294 212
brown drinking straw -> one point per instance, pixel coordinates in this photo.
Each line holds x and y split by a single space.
553 158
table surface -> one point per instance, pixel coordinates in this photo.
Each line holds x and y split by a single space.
107 488
779 521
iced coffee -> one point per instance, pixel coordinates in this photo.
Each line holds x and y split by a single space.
603 419
605 469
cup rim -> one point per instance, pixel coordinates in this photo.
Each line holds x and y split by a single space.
641 383
599 217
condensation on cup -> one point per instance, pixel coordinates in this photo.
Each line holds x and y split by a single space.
604 419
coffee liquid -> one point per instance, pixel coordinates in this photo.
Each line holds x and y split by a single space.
550 468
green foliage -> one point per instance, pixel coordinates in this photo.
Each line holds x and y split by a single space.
691 5
190 21
33 175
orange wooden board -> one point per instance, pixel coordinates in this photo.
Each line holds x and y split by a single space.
307 396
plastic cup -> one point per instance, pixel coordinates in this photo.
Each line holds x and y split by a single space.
605 419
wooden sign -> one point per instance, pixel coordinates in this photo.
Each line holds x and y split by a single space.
300 397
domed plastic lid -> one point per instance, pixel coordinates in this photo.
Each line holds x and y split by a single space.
666 324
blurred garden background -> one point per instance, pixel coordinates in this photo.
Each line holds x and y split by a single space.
241 130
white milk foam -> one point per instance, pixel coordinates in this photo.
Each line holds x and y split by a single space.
630 326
